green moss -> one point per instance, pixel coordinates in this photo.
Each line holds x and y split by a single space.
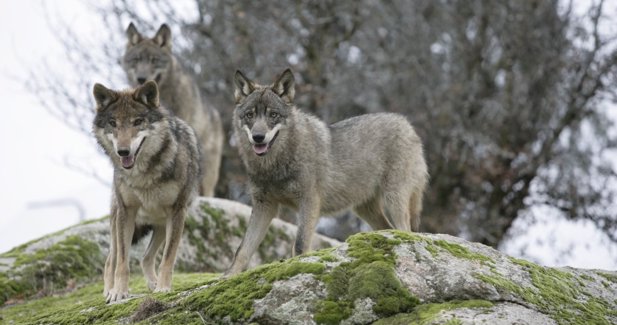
461 252
427 313
325 255
453 321
202 231
214 230
273 237
19 250
11 288
378 282
586 277
610 277
372 247
84 306
432 249
332 313
48 270
196 232
369 275
87 304
234 297
554 292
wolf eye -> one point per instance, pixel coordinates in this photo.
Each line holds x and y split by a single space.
249 115
274 114
112 123
138 121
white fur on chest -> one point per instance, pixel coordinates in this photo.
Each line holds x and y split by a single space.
154 203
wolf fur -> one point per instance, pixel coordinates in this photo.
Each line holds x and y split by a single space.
156 163
152 59
372 163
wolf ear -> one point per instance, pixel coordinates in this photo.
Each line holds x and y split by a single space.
102 96
148 94
163 36
244 86
284 86
133 35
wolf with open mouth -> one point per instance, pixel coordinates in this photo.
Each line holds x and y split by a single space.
157 168
373 164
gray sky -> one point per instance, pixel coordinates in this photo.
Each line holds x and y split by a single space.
38 151
36 146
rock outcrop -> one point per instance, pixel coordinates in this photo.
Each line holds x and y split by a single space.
212 232
385 277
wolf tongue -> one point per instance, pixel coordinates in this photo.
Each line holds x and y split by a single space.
260 148
128 161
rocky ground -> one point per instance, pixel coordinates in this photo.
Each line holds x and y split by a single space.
386 277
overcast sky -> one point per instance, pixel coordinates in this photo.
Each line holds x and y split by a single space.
42 193
39 192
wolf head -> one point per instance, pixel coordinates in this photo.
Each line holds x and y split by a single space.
262 111
147 58
125 119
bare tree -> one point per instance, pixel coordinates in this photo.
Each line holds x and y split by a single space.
509 97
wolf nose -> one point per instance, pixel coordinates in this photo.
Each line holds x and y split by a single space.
141 80
123 152
258 138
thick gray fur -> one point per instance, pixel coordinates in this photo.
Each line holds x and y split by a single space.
152 59
157 170
373 164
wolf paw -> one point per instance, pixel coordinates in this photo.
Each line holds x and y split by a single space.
151 285
162 289
113 296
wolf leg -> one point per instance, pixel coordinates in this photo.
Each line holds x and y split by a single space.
211 166
147 263
110 263
397 210
125 225
173 234
211 138
415 208
255 232
372 212
307 221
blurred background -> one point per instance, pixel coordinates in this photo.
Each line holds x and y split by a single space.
514 101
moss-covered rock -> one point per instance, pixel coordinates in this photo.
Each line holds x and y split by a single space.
213 231
385 277
52 269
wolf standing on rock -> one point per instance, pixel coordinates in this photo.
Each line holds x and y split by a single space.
156 176
151 59
372 163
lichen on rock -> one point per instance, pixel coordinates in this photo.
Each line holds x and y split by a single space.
384 277
213 231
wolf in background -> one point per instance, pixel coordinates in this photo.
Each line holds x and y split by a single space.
372 163
156 164
152 59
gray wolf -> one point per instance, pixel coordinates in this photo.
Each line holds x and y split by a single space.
372 163
152 59
156 163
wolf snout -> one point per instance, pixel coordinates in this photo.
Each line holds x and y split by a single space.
141 80
123 152
259 138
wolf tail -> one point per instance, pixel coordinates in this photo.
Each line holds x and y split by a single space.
140 232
